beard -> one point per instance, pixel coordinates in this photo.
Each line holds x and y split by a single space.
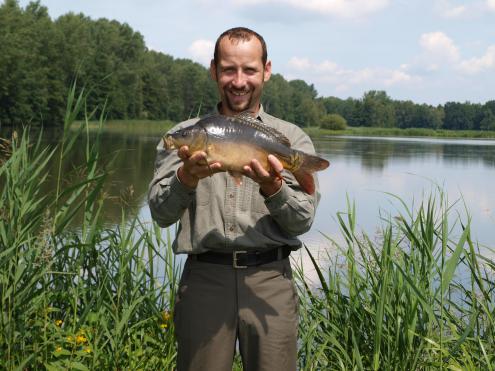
239 106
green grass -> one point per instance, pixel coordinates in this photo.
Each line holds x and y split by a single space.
418 296
150 127
396 132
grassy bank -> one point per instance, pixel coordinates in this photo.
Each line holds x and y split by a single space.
159 127
149 127
396 132
420 295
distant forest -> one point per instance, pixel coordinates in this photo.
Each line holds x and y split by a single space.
41 57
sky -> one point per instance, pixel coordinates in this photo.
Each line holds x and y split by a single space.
427 51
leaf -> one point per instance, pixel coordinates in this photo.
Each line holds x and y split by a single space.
451 264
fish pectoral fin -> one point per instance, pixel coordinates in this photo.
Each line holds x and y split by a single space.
237 177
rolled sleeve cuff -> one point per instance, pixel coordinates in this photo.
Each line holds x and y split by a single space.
180 190
278 199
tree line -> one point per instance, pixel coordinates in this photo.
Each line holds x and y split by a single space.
40 58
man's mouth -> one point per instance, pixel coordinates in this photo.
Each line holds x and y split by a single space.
239 93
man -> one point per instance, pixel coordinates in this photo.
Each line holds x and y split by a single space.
237 281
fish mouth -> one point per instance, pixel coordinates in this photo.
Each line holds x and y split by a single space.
168 142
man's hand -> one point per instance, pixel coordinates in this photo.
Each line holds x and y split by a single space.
269 181
195 167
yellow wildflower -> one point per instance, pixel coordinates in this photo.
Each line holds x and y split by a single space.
166 315
58 349
164 326
87 350
70 339
59 322
81 339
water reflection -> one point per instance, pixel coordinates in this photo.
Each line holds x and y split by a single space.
376 153
368 169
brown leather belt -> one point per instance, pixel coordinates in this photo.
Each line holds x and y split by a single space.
242 258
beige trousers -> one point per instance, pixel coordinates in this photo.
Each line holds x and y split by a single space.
218 304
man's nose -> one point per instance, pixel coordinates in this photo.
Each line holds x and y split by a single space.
239 79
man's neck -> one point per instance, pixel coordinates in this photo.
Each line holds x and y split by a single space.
231 113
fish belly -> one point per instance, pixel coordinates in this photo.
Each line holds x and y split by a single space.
235 155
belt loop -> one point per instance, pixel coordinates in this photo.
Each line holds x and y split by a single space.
279 253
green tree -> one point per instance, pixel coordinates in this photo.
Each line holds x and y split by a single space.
461 116
377 109
30 91
488 120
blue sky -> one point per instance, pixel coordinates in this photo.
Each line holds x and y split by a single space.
427 51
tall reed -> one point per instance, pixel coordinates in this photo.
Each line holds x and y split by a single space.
77 298
415 298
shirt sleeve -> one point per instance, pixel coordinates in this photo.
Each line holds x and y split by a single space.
167 196
292 208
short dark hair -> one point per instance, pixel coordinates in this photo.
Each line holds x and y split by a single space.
241 34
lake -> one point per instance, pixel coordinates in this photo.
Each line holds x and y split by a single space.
364 169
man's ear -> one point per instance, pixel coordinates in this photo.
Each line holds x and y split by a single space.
213 70
268 71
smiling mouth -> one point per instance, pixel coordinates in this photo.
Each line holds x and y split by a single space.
239 93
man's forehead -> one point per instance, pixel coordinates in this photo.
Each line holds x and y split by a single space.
235 45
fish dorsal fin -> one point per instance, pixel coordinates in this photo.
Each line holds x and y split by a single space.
247 118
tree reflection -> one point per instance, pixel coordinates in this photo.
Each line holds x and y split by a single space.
376 153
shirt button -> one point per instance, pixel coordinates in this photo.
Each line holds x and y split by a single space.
231 228
231 195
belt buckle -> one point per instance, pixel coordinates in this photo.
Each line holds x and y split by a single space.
234 259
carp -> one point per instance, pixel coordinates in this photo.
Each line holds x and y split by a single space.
235 141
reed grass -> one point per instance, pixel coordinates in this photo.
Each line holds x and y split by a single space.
418 297
85 299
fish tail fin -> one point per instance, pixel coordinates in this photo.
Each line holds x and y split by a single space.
304 174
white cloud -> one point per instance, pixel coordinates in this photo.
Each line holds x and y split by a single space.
448 10
475 65
456 9
397 77
338 8
344 79
455 12
202 51
438 49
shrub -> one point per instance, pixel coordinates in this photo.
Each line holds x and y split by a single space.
333 121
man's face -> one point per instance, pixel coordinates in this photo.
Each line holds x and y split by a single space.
240 75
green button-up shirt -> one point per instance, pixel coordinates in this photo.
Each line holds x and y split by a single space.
222 216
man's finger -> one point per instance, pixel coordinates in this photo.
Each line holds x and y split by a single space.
216 167
248 171
258 169
275 164
198 158
183 152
